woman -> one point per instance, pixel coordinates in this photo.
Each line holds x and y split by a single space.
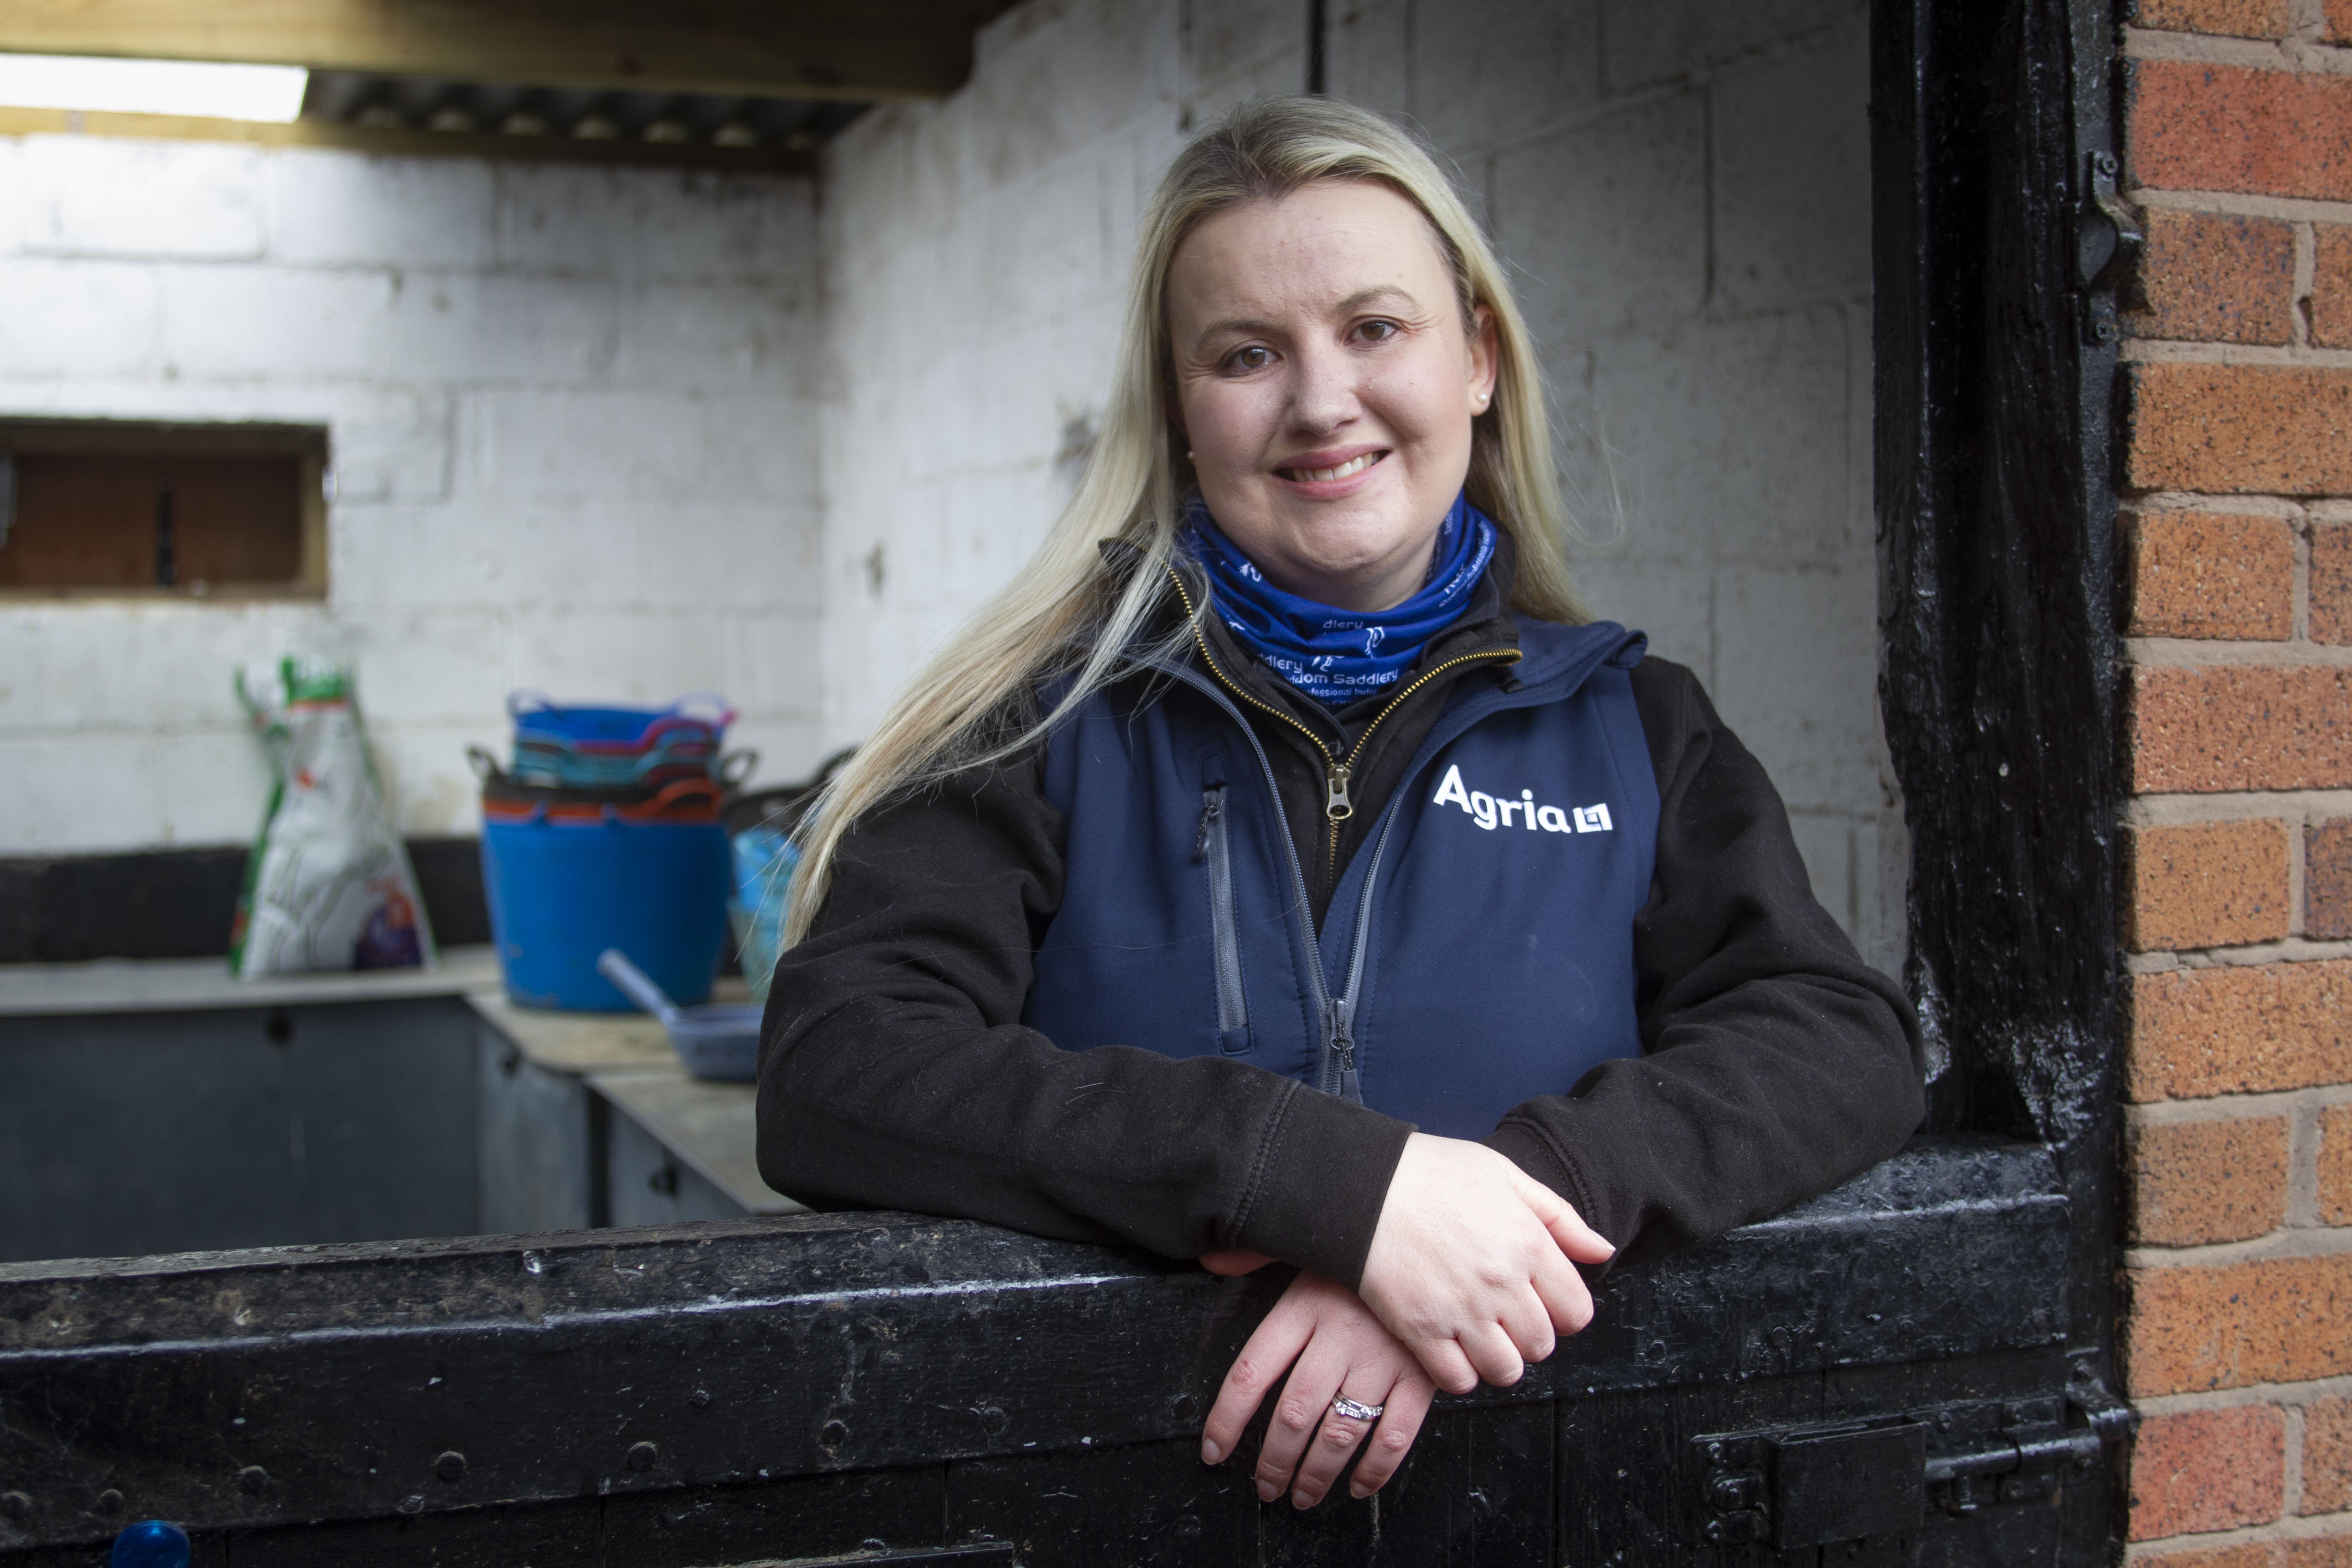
1285 868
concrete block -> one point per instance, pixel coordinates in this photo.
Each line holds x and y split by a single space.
426 667
67 319
1792 174
1668 600
428 786
104 196
1087 72
330 208
636 656
1486 73
1796 677
1368 53
653 224
579 445
744 557
1605 225
130 667
490 331
276 324
775 674
1644 42
77 793
17 205
529 553
713 338
790 748
1729 438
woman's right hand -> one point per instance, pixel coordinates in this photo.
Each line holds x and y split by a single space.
1470 1265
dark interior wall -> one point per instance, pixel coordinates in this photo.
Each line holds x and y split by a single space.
178 903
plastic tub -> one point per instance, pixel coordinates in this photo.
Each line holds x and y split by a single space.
562 889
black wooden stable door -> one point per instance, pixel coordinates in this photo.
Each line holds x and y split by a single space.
1911 1371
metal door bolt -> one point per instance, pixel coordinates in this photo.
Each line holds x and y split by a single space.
643 1456
450 1466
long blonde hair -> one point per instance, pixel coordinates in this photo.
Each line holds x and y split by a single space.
1072 610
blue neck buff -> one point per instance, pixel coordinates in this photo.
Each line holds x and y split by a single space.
1336 655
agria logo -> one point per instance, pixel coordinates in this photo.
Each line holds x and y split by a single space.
1490 812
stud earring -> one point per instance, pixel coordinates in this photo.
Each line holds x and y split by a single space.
1188 454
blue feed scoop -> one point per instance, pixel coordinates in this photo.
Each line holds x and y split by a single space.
719 1040
151 1544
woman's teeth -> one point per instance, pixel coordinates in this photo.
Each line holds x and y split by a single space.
1352 466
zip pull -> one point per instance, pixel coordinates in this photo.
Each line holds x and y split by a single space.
1336 804
1209 810
1343 1046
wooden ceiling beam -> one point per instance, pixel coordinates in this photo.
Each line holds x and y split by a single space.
840 50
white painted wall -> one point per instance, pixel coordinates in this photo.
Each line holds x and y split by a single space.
1683 191
573 422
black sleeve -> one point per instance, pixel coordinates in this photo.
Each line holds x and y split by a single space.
1776 1063
895 1071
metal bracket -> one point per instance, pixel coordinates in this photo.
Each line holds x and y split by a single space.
2107 243
1800 1486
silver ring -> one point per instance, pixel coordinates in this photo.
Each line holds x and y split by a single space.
1356 1410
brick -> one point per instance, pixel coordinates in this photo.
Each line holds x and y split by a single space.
2336 1166
2320 1552
2195 574
2338 28
2197 730
2231 18
2240 1029
2208 1470
2241 428
2273 1320
2207 1181
2328 878
2213 884
2227 127
2246 1554
2331 583
2331 285
2327 1456
2212 278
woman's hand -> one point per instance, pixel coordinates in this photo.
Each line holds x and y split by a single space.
1470 1265
1339 1350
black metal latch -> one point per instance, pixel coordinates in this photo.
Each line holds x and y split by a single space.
1797 1487
2107 242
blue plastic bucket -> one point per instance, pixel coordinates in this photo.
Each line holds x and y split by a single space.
562 890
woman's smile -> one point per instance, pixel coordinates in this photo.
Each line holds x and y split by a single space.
1326 475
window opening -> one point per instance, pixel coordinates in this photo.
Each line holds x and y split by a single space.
119 509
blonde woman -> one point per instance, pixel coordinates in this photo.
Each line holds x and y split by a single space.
1285 867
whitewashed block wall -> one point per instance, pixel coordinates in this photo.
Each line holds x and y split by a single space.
573 420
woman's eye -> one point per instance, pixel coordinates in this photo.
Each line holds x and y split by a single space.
1379 332
1255 357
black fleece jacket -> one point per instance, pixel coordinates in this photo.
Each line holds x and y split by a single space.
895 1071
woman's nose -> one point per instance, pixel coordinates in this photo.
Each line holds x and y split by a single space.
1323 394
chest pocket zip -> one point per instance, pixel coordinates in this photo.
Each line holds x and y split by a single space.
1214 846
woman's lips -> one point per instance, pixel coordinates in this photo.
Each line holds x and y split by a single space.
1327 477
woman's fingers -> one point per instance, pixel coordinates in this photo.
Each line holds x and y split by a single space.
1408 1407
1262 1360
1491 1351
1574 1237
1297 1417
1561 1291
1339 1436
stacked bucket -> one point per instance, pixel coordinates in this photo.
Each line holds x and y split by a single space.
606 831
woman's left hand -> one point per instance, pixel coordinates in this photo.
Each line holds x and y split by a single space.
1334 1348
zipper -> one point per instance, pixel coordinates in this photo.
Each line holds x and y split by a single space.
1337 772
1339 1075
1212 848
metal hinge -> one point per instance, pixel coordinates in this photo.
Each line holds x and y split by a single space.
2107 241
1797 1487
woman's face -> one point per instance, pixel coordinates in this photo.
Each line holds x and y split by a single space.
1326 382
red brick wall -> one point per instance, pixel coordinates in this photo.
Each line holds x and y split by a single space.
2237 871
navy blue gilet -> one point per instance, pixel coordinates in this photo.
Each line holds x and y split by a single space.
1477 951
